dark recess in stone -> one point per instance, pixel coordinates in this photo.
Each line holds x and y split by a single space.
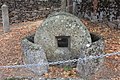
94 37
62 41
31 38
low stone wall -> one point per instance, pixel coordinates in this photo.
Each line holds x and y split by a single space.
86 68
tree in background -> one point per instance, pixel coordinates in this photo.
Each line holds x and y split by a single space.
70 5
95 6
63 5
66 5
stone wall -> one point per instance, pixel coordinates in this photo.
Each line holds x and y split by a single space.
24 10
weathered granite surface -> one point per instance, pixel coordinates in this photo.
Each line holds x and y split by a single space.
62 24
87 68
34 54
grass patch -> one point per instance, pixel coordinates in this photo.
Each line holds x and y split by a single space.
67 68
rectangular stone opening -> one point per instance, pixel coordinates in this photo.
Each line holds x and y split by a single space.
63 41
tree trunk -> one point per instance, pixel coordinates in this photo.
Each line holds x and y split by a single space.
63 5
95 6
69 6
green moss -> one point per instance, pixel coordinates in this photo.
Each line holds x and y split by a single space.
67 68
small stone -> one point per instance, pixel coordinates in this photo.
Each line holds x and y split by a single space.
88 45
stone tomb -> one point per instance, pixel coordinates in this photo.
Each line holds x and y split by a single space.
62 36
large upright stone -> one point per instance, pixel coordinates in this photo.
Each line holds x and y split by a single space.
74 8
34 54
61 36
89 66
